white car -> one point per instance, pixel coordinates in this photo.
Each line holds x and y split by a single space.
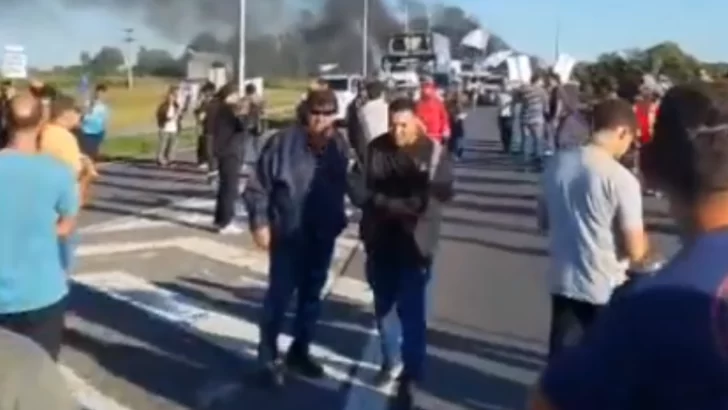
345 87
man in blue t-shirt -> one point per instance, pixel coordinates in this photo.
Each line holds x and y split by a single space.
94 123
39 204
663 343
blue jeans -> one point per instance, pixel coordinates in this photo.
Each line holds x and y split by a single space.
407 290
533 141
302 267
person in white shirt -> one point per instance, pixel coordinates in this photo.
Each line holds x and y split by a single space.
505 119
168 114
373 116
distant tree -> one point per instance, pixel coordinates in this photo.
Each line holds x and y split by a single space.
107 60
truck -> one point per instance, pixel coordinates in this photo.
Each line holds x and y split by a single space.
412 54
346 88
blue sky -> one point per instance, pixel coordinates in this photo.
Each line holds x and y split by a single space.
56 35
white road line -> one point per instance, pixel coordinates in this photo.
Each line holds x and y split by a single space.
252 259
88 397
236 335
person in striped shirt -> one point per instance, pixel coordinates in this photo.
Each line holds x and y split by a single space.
534 105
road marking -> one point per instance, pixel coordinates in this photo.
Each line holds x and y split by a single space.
88 397
252 259
194 211
236 335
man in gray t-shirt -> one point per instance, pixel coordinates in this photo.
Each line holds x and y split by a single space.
29 379
592 208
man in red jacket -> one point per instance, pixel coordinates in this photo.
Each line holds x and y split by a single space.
432 112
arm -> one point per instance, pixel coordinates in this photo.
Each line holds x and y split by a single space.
629 216
441 184
445 121
67 204
259 187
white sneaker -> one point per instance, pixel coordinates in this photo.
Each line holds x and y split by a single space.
230 229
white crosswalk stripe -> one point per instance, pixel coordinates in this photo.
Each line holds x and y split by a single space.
234 334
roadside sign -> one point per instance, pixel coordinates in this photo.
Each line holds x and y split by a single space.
15 62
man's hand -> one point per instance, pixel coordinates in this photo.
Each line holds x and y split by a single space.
261 237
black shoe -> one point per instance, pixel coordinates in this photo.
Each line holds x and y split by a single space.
384 375
304 365
272 375
404 398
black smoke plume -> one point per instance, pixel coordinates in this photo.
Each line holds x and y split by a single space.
292 37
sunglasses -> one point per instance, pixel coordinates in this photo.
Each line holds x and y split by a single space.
324 113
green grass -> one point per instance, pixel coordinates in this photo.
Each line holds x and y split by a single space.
142 145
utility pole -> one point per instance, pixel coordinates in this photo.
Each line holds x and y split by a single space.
241 47
406 17
365 40
557 40
129 41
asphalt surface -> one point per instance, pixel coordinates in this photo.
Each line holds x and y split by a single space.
489 317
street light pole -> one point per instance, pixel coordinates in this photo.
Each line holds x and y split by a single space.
241 47
129 40
365 40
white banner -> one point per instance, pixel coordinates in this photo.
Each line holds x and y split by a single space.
15 62
564 67
519 69
477 39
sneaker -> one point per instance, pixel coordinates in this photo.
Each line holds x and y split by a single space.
272 375
230 229
304 365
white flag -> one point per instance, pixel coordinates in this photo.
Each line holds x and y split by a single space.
477 39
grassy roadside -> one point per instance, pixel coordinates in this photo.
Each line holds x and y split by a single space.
141 145
144 145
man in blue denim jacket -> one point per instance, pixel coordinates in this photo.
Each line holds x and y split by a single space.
296 209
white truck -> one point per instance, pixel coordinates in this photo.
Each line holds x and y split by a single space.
345 87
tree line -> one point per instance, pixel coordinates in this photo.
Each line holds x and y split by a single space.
625 69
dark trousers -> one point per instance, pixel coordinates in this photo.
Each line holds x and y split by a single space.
505 128
90 144
205 154
43 326
300 267
570 319
404 291
228 188
456 139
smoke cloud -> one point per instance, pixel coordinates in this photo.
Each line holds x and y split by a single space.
289 36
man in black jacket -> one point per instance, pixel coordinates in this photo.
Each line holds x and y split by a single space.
406 179
295 203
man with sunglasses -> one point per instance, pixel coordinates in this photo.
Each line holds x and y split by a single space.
295 203
663 343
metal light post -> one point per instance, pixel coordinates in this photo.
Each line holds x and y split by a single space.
241 47
365 40
129 40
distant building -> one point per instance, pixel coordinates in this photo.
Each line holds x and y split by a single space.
204 66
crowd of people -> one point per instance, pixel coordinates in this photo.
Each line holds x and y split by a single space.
623 334
630 330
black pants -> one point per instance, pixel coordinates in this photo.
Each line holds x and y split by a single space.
228 189
505 127
205 154
43 326
570 319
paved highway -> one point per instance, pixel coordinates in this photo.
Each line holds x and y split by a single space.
163 311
